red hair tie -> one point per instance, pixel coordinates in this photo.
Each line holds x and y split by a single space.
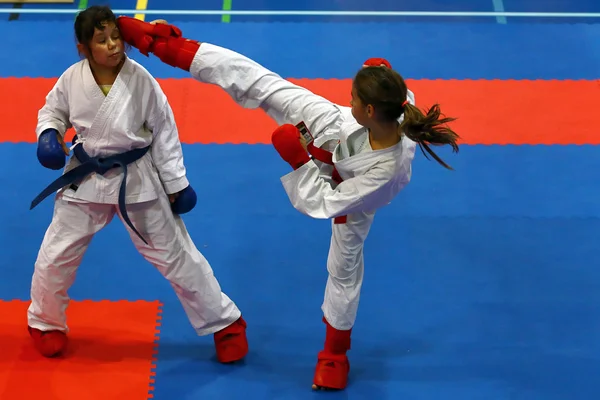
377 62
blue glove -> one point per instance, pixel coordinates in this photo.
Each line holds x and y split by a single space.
185 202
50 151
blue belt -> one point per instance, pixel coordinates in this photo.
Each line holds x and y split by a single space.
99 165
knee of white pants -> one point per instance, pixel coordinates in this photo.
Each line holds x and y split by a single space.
342 293
171 249
70 232
344 260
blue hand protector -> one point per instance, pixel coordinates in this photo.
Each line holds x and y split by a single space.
185 202
50 152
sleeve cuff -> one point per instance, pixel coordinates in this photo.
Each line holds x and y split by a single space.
295 174
176 185
49 126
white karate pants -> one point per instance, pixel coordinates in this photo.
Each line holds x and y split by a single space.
171 251
345 264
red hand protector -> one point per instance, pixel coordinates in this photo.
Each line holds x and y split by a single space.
142 34
286 140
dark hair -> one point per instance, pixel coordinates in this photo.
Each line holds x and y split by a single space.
386 91
89 19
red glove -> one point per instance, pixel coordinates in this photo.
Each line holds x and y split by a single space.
286 140
377 62
163 40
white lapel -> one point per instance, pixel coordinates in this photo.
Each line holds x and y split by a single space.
90 86
109 104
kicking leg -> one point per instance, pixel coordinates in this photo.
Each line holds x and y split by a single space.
248 83
65 242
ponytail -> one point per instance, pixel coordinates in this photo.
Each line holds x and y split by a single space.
428 130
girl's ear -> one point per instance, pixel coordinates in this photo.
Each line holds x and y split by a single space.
82 49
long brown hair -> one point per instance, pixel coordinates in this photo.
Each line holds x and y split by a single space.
386 91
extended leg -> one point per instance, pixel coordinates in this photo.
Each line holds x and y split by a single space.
173 253
65 242
248 83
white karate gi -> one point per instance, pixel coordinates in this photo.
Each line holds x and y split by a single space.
371 178
134 114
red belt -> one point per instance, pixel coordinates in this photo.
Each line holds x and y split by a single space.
326 157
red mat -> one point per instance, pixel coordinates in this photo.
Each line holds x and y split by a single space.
488 112
111 353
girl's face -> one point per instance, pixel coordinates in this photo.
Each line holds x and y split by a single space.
106 47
